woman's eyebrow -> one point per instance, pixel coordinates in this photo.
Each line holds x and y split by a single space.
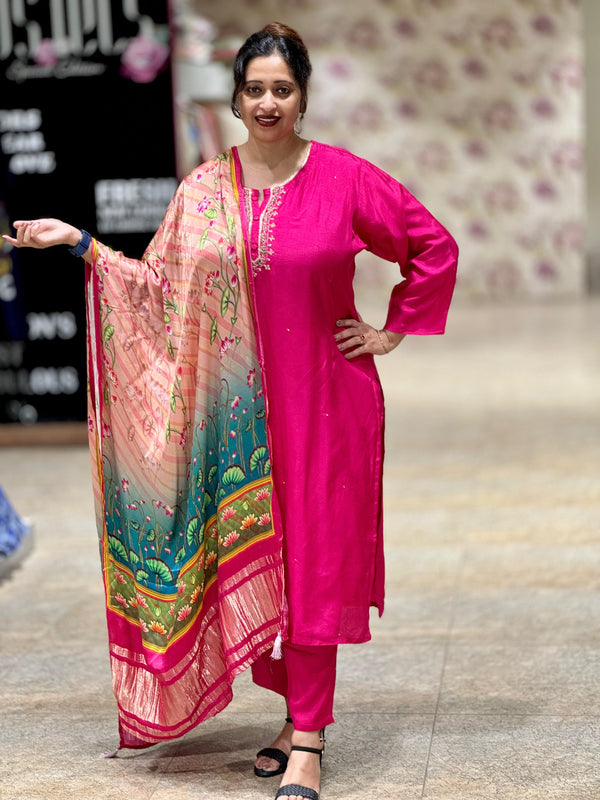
257 80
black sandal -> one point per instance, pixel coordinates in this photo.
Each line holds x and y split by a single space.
277 755
294 789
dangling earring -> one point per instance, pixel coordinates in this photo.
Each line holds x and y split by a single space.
298 125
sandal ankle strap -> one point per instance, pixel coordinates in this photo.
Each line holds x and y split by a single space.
317 750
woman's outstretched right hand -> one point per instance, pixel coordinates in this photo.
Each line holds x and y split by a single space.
41 233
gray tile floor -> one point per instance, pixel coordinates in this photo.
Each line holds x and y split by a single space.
483 677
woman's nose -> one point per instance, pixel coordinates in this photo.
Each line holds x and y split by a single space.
268 101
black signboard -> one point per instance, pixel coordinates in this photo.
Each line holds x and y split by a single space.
86 135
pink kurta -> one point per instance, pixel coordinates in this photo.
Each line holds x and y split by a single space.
325 413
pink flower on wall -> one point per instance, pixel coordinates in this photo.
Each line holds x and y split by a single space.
407 109
568 154
476 148
567 72
339 68
546 270
502 115
544 189
432 74
543 24
365 33
543 107
367 116
503 278
407 28
143 59
569 237
500 31
501 196
434 156
478 230
475 68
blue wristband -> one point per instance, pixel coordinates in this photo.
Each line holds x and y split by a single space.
83 245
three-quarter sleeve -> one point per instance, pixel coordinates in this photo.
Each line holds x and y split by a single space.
393 225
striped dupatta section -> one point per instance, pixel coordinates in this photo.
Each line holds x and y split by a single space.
181 468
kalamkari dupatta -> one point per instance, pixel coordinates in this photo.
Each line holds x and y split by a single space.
191 559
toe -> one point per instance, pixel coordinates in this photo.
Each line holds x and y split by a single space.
268 764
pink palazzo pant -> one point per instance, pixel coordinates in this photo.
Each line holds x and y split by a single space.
305 676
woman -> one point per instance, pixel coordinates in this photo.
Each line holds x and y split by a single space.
237 418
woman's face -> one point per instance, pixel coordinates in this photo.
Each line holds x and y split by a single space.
270 101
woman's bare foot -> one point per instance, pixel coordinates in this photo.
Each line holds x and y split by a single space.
283 742
303 768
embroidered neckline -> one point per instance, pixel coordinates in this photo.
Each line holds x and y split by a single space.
266 225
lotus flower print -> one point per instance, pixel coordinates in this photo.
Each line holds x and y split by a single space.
183 613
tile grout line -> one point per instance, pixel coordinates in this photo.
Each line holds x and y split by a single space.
459 573
160 777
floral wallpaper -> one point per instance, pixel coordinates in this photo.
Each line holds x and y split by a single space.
476 107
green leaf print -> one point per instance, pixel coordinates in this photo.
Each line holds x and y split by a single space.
230 224
180 555
233 475
141 576
203 238
257 455
108 332
200 479
213 330
134 559
225 301
159 568
194 531
211 213
117 547
173 401
212 473
170 350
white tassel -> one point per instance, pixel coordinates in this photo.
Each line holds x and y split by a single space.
110 754
277 653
